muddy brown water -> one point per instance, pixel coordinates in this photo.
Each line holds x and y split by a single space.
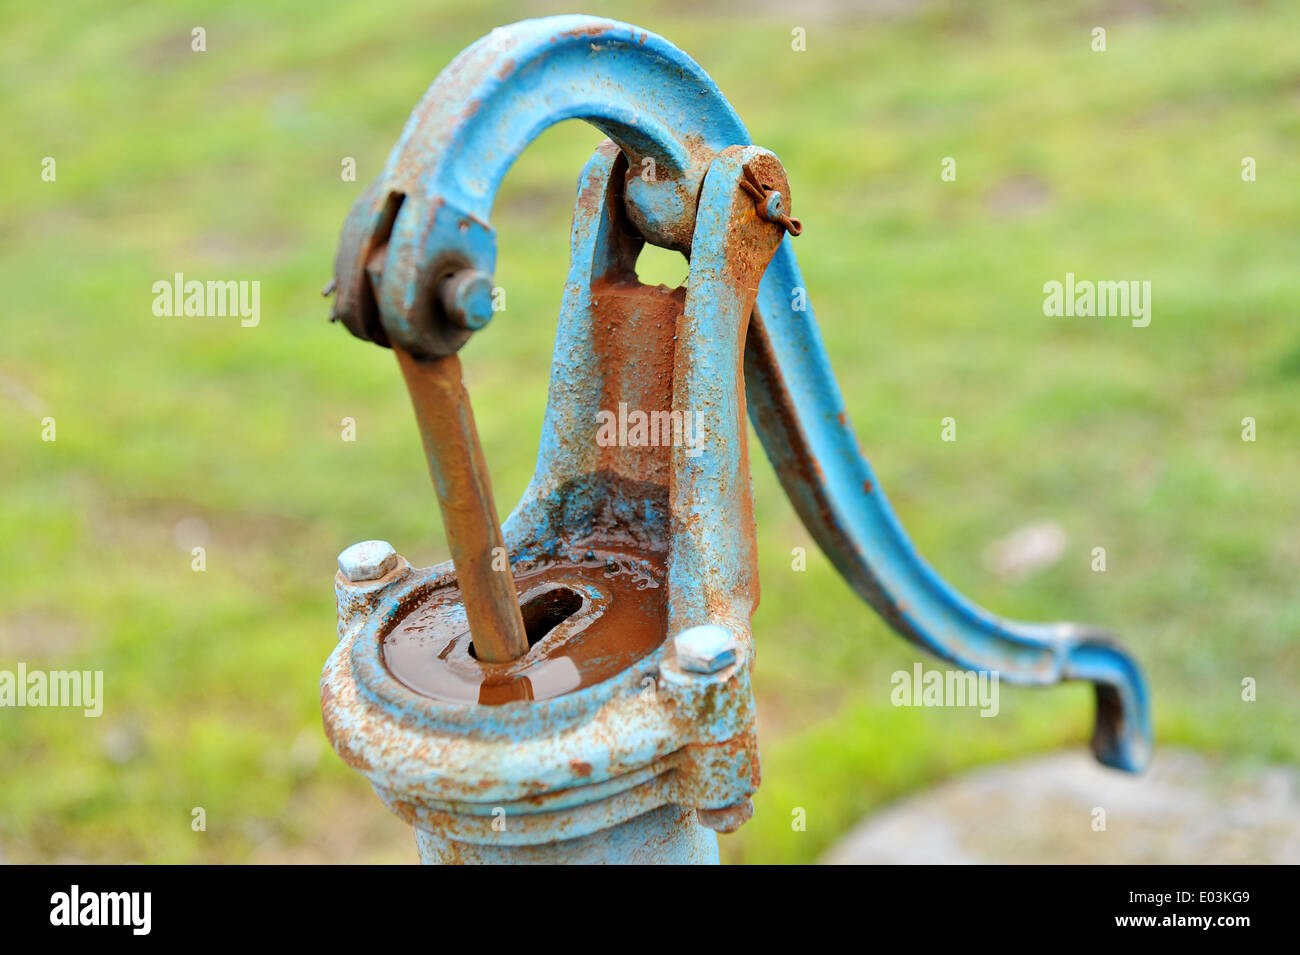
587 621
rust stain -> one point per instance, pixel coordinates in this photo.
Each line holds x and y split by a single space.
587 31
634 351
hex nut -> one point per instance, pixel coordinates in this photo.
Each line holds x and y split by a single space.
368 560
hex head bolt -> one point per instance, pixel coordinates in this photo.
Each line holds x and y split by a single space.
368 560
466 297
705 649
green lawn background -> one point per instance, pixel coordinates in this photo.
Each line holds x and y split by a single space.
226 164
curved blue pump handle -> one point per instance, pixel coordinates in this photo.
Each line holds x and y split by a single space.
660 106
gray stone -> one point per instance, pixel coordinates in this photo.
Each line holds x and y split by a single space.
1184 809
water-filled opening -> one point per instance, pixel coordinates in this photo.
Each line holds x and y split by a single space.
544 612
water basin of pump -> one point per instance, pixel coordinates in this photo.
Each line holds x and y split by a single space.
587 620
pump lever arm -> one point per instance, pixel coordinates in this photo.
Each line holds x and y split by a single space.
798 412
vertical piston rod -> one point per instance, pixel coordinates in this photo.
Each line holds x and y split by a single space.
469 515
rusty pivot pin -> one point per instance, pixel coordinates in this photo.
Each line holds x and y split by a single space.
768 202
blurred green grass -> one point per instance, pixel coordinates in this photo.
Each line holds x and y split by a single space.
226 165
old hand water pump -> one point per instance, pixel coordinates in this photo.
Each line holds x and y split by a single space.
575 685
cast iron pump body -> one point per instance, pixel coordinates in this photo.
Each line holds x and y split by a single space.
574 686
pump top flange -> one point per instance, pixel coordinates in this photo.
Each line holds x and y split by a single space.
499 680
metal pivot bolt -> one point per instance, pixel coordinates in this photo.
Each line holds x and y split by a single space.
466 297
368 560
768 202
705 649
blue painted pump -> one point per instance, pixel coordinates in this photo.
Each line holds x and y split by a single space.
642 766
